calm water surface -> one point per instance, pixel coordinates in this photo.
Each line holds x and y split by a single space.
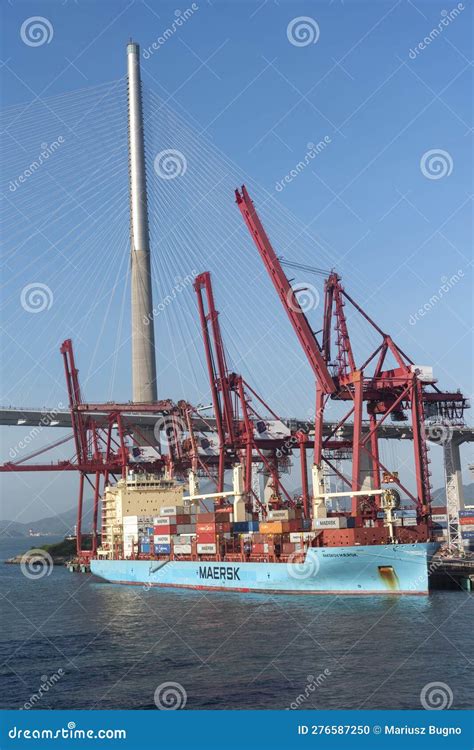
117 644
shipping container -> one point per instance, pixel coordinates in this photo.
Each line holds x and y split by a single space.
334 522
172 510
274 527
182 549
285 514
161 539
165 521
206 549
466 520
439 517
162 549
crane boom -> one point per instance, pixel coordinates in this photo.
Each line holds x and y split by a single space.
286 293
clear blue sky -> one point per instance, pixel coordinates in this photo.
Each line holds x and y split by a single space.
241 102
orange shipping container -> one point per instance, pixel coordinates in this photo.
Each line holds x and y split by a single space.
467 521
274 527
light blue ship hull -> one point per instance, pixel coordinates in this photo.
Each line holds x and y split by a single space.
395 569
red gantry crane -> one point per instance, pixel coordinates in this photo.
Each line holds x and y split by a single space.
386 391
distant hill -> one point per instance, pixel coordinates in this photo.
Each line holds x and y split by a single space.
64 523
61 524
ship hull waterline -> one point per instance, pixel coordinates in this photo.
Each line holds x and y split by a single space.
400 569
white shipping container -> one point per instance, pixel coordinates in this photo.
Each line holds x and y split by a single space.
337 522
296 536
165 521
172 510
439 517
182 549
206 549
281 515
409 521
467 527
161 538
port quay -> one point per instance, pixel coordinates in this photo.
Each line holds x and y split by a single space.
236 468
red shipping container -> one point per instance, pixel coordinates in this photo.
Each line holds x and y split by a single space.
165 529
183 520
206 537
295 524
222 528
466 521
206 528
206 517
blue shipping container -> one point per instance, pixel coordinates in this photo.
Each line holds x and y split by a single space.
466 513
307 524
241 526
162 549
253 525
145 548
467 534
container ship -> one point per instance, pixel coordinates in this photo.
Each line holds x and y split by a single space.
198 544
